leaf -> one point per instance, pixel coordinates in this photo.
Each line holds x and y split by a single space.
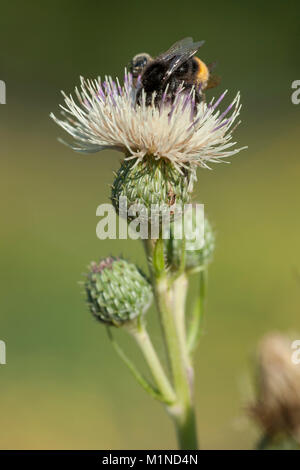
138 376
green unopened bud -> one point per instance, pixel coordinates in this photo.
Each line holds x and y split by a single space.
199 241
154 185
117 291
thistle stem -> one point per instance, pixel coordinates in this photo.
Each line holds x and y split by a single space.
179 291
136 374
182 412
186 430
195 326
172 320
263 442
144 342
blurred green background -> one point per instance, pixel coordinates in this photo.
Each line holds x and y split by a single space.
63 386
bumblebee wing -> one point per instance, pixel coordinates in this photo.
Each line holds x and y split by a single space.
214 80
179 53
179 45
212 66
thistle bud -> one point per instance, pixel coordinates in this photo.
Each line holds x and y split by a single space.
277 406
117 291
199 241
151 186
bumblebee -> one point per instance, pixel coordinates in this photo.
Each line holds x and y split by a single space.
138 63
176 67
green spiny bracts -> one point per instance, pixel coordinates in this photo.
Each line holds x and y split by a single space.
152 182
195 257
117 291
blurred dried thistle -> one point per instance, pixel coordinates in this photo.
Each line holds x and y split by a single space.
277 405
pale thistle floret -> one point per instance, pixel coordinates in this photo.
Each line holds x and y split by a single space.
106 116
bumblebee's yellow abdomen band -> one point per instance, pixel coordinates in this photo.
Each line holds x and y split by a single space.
203 73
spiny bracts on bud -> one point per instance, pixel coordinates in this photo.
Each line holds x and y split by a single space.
117 291
153 186
199 240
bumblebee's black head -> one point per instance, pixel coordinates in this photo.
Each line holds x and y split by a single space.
138 63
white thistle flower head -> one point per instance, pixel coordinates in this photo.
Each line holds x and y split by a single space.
106 116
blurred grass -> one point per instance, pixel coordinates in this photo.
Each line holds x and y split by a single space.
63 386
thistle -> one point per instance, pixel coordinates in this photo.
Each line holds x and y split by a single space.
163 142
117 291
163 145
277 406
197 237
152 185
106 117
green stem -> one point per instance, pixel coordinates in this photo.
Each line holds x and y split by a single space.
136 374
144 342
186 430
263 442
179 291
185 423
182 411
196 322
